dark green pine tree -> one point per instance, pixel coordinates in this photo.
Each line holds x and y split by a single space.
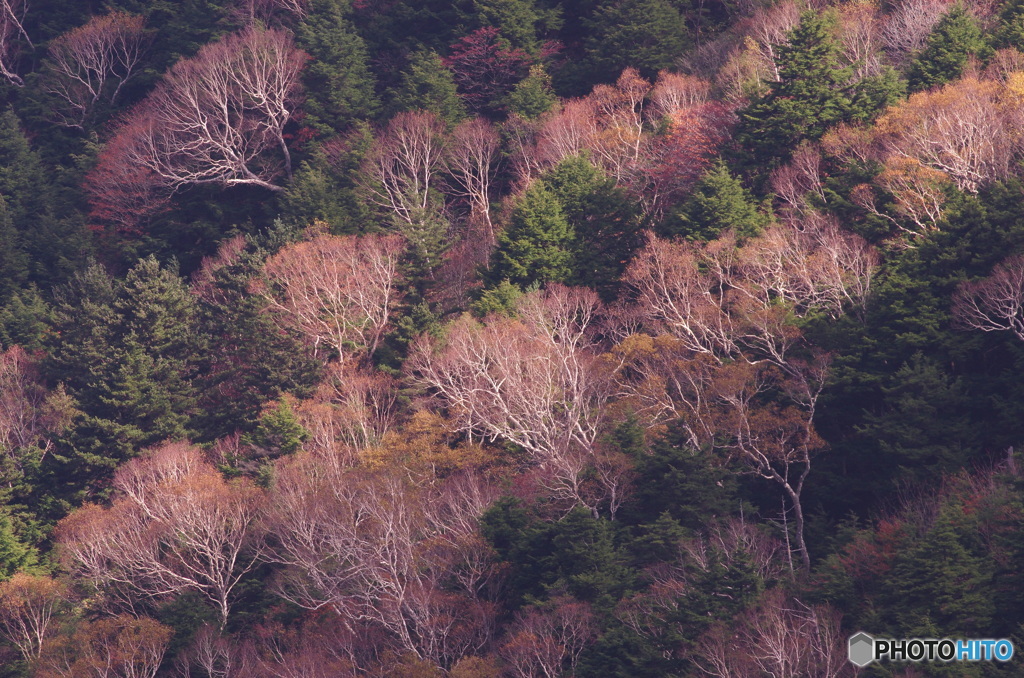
247 359
953 41
1010 31
126 355
13 260
53 247
924 429
606 223
537 244
25 320
941 583
719 202
648 35
427 85
517 20
339 84
812 94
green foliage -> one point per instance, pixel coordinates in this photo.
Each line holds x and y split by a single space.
605 222
14 554
533 95
501 299
24 320
323 188
278 432
126 353
427 85
954 40
1010 30
718 203
812 94
648 35
537 244
338 80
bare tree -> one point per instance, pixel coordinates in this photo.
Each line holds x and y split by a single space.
908 24
353 408
471 157
178 526
548 643
29 414
12 33
968 129
218 118
674 92
28 605
995 303
338 292
377 550
860 37
113 647
401 169
93 62
535 381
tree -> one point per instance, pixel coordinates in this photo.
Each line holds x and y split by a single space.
471 158
427 85
337 291
995 303
178 526
718 203
955 38
542 642
218 118
967 130
534 381
12 32
28 605
374 549
647 35
485 69
811 94
536 246
114 647
908 26
338 80
604 221
92 63
533 95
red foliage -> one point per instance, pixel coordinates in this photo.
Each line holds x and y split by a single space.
484 69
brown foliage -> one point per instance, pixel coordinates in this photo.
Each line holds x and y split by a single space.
217 118
29 414
113 647
28 605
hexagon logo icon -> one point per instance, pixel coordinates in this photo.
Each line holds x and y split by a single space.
861 649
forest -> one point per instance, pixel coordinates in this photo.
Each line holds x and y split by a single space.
509 338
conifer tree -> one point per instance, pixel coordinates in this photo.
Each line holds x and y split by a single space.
950 44
339 84
718 203
647 35
428 86
536 246
812 94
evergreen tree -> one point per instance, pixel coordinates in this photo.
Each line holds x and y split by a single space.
517 20
339 84
955 38
648 35
605 223
718 203
1010 31
812 94
427 85
533 95
13 260
537 244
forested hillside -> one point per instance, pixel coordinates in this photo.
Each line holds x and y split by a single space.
508 338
